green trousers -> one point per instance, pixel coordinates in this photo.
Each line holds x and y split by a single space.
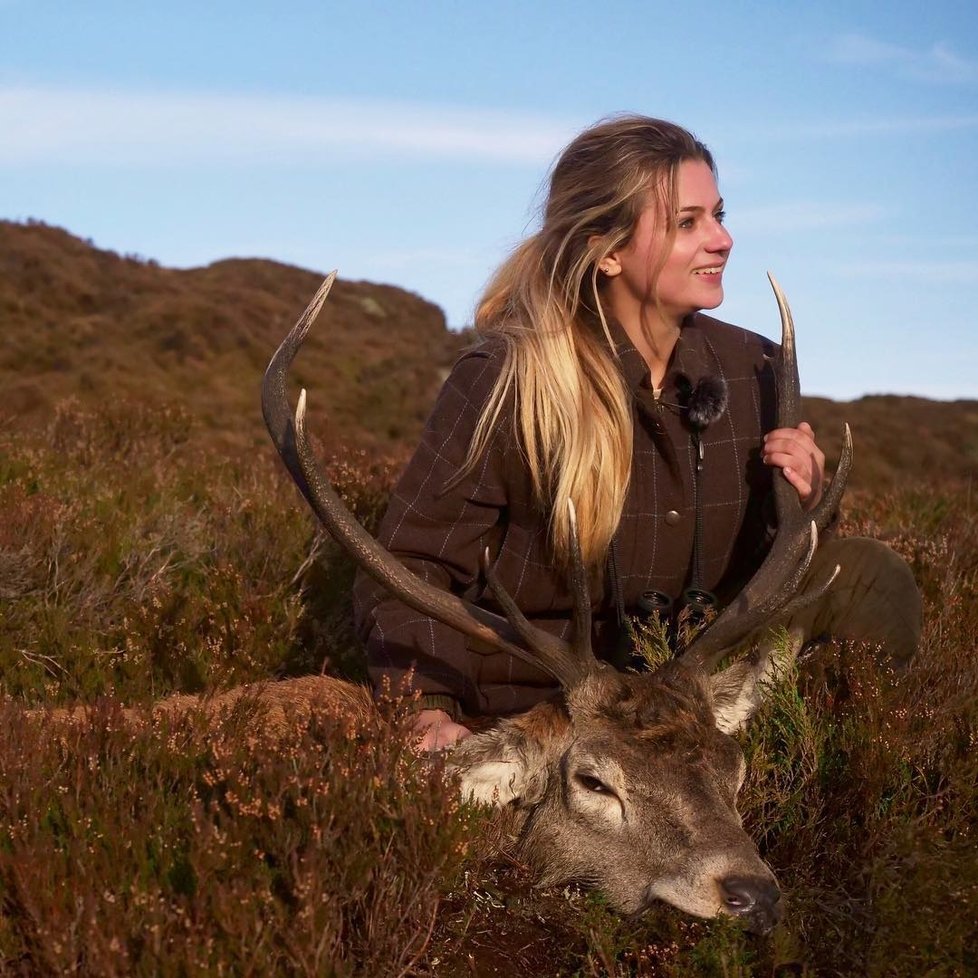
873 600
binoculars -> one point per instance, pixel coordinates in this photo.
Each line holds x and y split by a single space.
695 604
697 601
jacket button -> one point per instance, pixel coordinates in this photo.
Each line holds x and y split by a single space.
672 517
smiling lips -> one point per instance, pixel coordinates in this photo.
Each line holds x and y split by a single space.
712 270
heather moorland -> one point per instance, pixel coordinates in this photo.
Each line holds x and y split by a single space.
150 544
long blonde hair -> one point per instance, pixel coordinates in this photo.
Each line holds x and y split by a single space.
573 416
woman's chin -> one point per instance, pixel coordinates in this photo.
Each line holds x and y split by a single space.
711 301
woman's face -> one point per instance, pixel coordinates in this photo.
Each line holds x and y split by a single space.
692 276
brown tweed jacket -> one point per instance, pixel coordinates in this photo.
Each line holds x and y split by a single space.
438 529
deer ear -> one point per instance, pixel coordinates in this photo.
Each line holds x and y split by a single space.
739 690
500 767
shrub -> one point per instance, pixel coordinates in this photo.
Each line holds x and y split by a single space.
185 847
133 563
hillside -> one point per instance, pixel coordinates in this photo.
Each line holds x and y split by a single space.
901 440
84 323
144 552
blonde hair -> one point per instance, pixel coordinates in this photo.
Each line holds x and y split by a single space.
573 414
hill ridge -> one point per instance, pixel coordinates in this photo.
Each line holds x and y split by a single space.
87 323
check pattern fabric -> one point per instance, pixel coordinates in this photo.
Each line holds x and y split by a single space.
438 525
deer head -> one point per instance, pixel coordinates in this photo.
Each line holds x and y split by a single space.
629 782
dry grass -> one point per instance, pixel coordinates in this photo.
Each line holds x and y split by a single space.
185 848
138 557
132 564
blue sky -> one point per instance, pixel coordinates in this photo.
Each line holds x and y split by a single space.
409 142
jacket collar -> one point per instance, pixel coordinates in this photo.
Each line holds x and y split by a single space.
691 360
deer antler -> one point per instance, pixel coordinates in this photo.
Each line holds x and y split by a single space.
567 663
580 647
772 591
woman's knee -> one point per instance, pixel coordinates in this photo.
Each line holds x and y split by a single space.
874 598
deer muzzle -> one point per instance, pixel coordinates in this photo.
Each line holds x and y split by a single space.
754 900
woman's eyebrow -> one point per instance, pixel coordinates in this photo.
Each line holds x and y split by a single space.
696 208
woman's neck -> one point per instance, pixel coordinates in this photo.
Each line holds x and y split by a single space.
654 338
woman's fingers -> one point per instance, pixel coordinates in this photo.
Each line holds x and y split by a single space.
793 450
436 730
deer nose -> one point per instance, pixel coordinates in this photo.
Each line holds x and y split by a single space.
755 900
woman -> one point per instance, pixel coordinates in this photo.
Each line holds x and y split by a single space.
598 381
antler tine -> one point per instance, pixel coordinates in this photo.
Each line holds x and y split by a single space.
581 595
789 414
274 398
772 590
576 660
289 436
828 505
789 389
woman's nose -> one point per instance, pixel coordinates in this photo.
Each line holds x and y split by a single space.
720 239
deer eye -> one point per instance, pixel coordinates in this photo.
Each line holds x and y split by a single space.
594 784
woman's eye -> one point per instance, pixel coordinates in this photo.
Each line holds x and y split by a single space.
685 223
593 784
720 216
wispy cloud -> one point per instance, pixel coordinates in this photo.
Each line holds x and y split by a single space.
43 124
803 215
778 131
937 63
895 126
963 272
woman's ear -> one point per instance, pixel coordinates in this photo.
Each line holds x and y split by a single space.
609 265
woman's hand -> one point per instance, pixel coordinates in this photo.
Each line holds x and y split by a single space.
437 730
793 450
